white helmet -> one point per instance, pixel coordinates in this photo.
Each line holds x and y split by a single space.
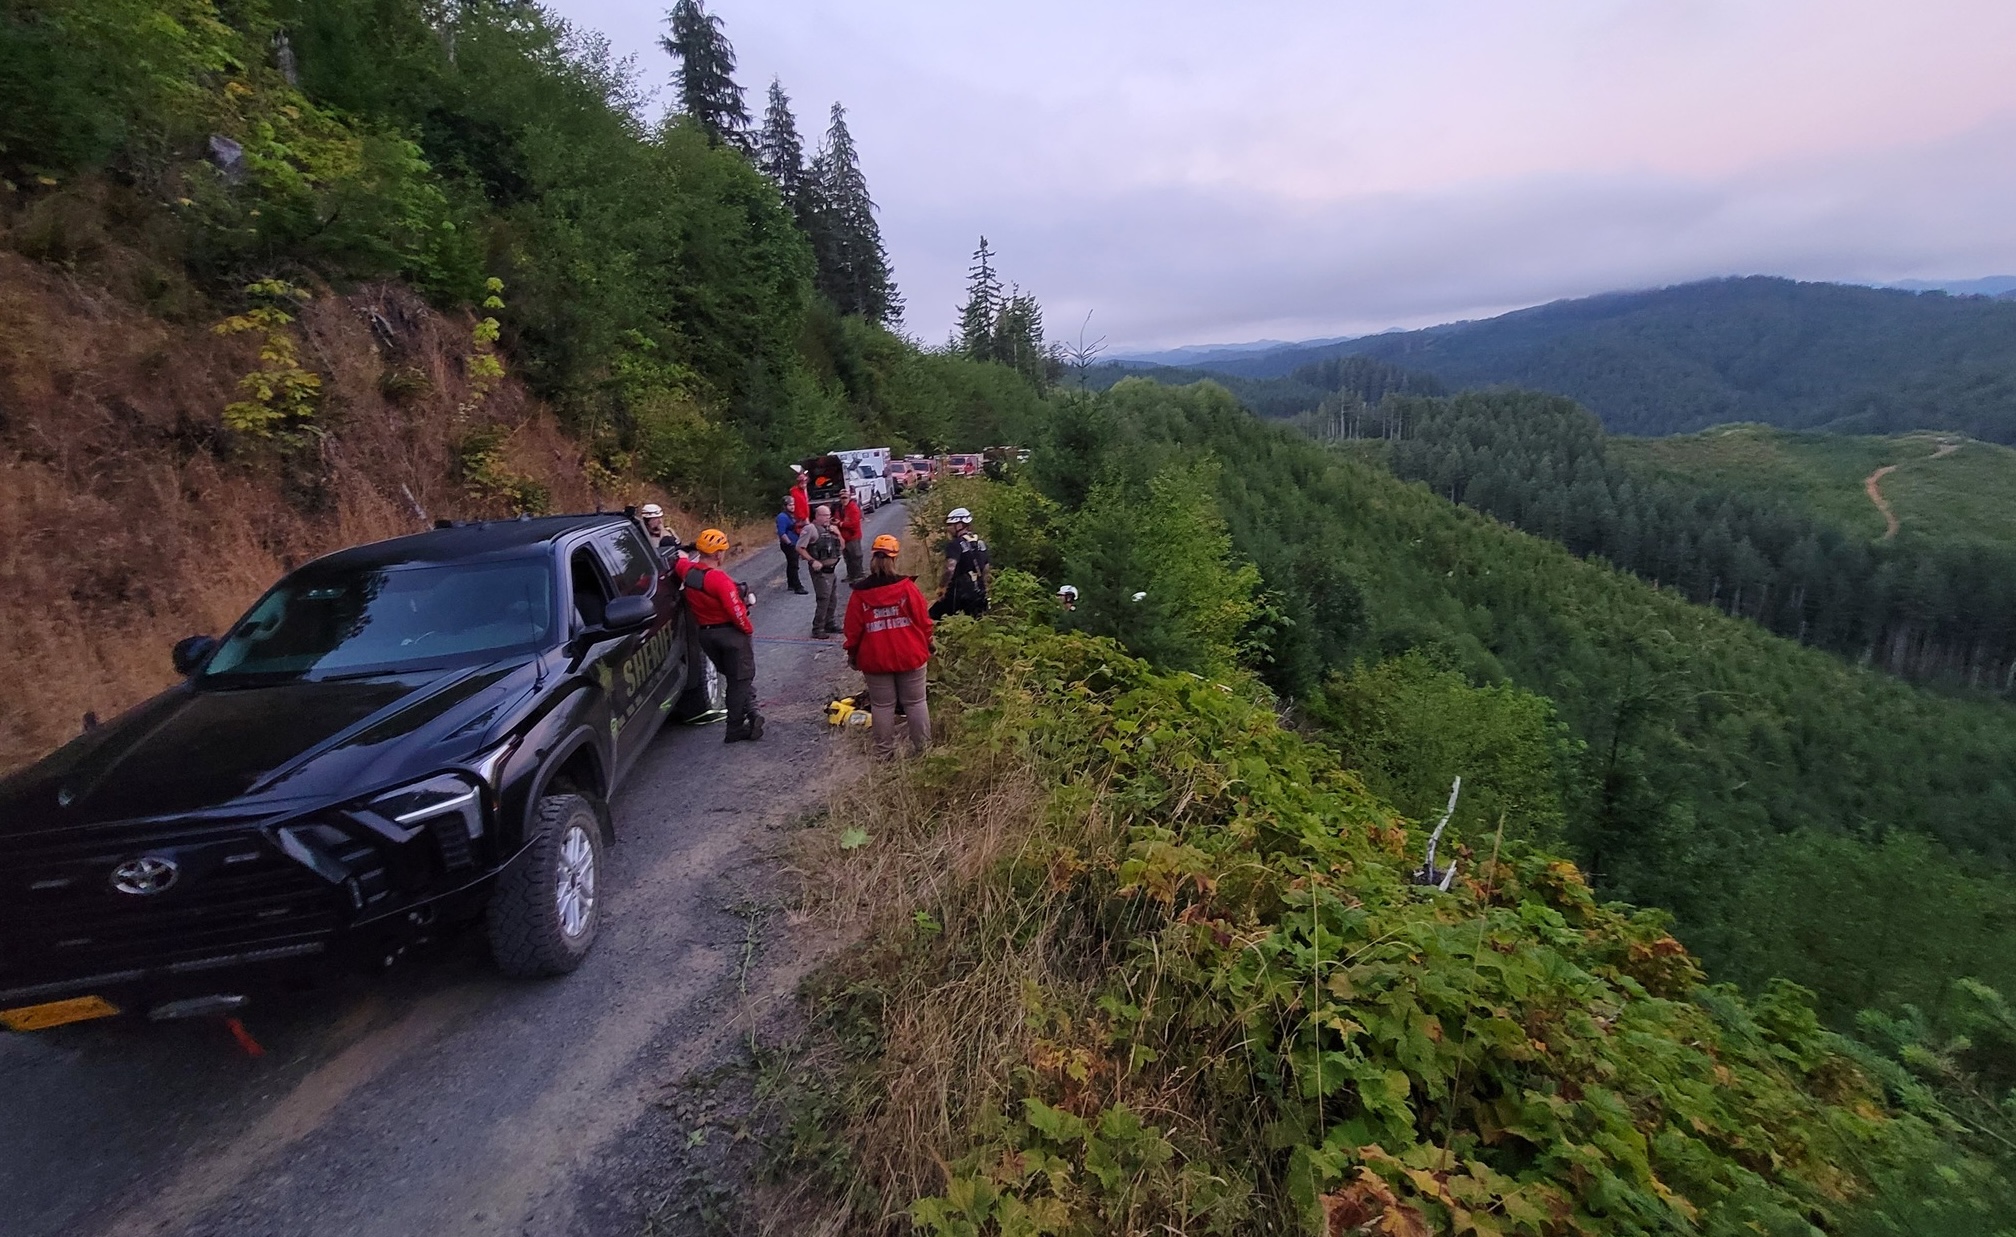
1069 591
959 515
651 511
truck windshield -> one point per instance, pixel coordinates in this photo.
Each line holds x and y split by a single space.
341 623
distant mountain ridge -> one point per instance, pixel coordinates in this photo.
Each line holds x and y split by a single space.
1756 348
1205 355
1993 285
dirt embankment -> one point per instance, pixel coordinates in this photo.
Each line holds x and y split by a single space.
129 517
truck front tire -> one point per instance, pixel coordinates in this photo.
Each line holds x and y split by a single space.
547 905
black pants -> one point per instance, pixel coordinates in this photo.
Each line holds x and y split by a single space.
852 551
791 564
822 601
734 655
945 605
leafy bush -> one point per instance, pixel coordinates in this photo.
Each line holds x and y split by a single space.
1155 570
1236 1015
85 82
279 395
487 474
1410 727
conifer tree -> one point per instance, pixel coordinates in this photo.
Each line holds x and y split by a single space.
780 153
1018 337
853 267
706 73
983 304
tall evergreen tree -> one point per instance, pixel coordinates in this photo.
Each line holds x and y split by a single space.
853 266
983 305
1018 337
706 73
780 153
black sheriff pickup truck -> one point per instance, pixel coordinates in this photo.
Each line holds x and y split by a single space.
396 737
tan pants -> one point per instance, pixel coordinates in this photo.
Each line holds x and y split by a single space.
884 690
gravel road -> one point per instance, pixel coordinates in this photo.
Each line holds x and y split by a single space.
439 1099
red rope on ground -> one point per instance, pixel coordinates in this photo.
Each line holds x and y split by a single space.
244 1038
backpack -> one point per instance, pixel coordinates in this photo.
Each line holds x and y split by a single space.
967 587
696 579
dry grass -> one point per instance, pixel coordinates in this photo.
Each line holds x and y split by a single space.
943 1043
129 518
942 835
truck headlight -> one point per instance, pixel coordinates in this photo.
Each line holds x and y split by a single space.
450 794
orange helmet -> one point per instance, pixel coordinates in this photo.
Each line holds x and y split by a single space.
885 544
711 541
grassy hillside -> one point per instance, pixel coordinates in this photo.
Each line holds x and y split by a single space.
1775 527
1680 359
1942 487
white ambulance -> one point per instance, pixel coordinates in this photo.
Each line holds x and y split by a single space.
868 476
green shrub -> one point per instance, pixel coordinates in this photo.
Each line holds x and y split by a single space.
1155 570
1240 1017
1410 727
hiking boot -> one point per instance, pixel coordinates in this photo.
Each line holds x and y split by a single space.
802 592
820 633
755 727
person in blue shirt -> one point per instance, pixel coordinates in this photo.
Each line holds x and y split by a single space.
787 541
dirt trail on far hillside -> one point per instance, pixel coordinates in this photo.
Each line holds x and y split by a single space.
1882 503
1871 483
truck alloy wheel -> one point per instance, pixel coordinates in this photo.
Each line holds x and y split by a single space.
545 910
574 890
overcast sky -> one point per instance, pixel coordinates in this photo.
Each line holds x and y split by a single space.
1217 172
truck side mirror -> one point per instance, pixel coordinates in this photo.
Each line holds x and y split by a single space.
191 652
626 613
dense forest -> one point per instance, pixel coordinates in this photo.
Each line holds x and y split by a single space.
1916 605
1330 397
1675 360
1705 766
699 296
1799 818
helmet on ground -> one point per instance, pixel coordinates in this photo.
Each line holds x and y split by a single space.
886 544
959 515
711 541
1068 591
651 511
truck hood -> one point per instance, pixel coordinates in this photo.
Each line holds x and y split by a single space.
190 750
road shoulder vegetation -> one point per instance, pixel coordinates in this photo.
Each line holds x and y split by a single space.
1137 958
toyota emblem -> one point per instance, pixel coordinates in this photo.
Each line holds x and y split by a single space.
149 874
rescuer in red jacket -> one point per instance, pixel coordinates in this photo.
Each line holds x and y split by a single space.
717 607
887 635
801 500
849 525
